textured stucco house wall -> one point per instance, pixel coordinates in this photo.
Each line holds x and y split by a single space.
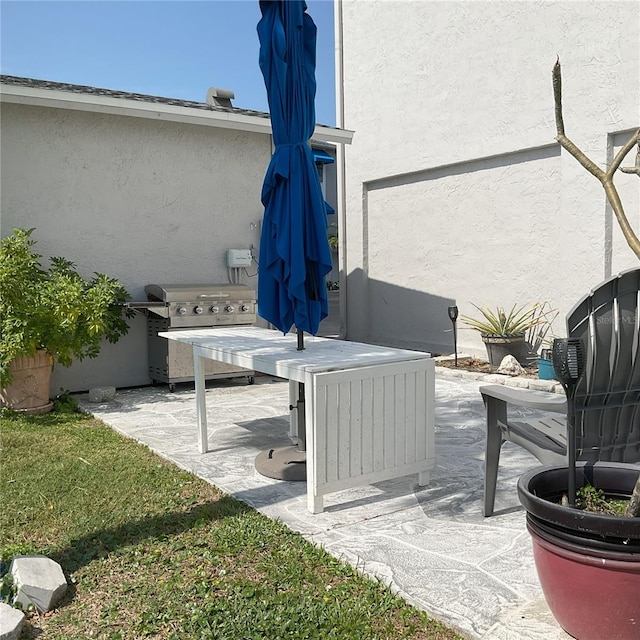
144 189
455 190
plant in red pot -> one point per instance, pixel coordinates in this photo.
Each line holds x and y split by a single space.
588 562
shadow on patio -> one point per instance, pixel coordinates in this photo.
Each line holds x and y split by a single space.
431 543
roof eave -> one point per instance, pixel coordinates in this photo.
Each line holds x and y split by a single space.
155 111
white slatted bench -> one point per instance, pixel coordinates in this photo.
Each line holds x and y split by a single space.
369 410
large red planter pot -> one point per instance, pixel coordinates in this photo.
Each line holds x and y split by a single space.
588 564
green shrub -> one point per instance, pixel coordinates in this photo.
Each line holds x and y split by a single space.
55 309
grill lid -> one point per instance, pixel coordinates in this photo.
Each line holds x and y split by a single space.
197 292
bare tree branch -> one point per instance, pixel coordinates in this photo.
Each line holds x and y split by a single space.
605 177
557 97
622 153
580 156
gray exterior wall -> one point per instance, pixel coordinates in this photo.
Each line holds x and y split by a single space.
456 192
140 200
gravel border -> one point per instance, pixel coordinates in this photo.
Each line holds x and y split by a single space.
551 386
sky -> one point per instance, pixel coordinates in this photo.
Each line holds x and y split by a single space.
169 48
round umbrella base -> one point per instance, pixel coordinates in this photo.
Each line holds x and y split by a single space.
283 463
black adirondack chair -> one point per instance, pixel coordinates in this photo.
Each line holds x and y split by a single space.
607 400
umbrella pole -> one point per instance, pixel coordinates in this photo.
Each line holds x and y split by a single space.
287 463
302 436
302 427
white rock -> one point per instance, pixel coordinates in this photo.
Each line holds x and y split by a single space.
39 580
10 622
510 366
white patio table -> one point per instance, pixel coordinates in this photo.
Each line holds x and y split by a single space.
369 410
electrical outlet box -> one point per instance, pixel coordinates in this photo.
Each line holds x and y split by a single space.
239 258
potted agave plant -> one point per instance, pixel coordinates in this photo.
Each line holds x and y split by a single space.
503 332
49 315
584 524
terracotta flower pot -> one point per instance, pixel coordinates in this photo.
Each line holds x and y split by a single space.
588 564
29 388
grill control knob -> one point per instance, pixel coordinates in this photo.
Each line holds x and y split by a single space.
181 311
244 307
198 310
229 309
214 309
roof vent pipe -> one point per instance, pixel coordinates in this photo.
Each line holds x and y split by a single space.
220 97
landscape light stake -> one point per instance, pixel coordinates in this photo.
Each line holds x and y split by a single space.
453 316
568 363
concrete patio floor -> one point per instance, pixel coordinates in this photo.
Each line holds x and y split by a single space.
431 544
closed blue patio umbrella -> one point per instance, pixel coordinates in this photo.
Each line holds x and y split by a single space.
294 252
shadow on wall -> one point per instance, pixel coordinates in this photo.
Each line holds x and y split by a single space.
391 315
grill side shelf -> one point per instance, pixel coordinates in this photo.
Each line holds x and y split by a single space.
159 308
145 305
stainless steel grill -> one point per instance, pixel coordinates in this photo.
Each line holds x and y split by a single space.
172 307
200 305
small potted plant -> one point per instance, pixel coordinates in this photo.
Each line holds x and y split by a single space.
49 315
504 332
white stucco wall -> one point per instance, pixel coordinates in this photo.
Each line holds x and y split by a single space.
456 192
140 200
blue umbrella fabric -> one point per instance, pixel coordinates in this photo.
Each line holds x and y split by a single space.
294 251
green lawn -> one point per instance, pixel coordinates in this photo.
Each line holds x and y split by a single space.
151 551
